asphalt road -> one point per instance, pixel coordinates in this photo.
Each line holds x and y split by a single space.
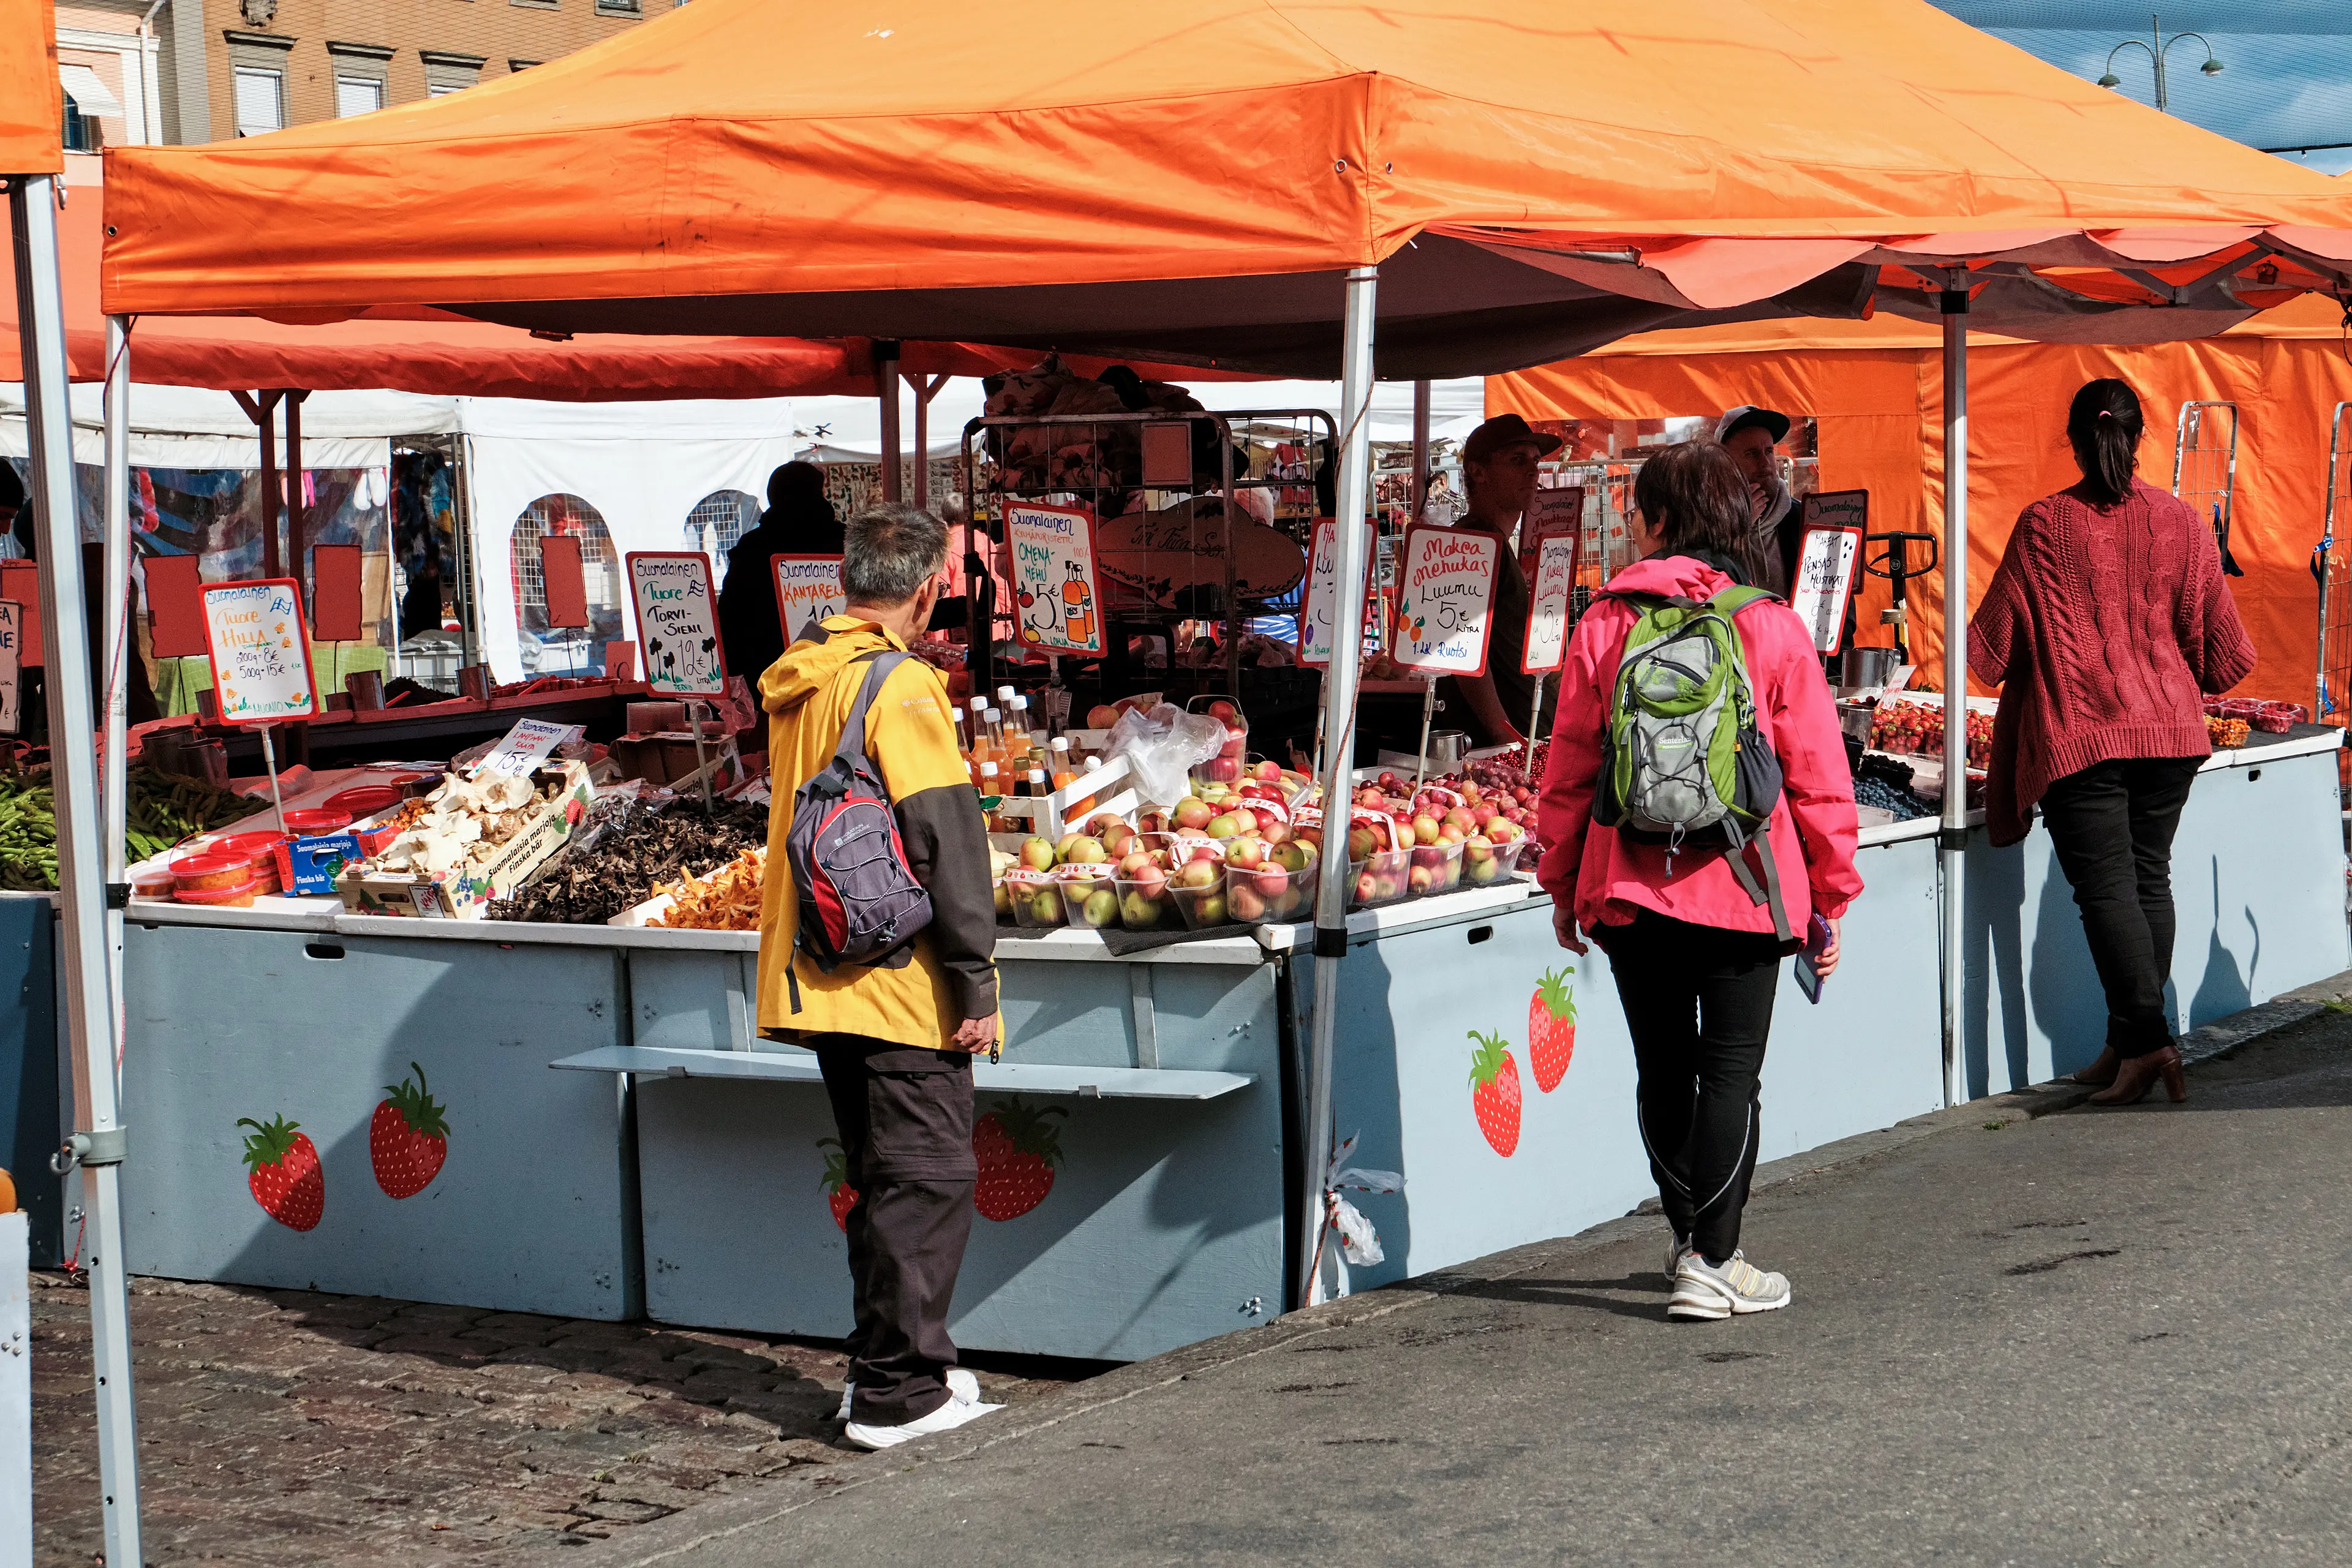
2095 1337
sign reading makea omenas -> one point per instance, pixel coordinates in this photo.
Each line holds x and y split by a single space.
678 622
1445 593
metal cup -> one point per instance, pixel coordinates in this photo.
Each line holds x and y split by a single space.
366 688
1861 670
474 680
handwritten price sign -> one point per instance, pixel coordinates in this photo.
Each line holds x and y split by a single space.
677 621
808 589
1445 593
1548 600
1318 616
1829 563
1553 514
260 651
11 655
1058 598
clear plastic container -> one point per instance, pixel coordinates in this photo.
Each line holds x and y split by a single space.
1228 765
1036 899
1272 894
1204 906
1433 868
1378 878
1144 903
1090 902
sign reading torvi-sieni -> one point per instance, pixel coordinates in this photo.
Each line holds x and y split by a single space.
678 622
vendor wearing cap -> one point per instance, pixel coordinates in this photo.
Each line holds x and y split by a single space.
1498 471
1750 434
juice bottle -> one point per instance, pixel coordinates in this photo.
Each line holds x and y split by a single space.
1065 772
1020 740
989 790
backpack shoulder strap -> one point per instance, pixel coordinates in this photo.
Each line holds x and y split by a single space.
1739 596
878 668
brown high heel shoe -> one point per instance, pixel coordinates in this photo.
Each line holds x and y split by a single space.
2102 1072
2137 1075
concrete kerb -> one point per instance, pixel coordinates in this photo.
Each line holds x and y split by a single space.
669 1538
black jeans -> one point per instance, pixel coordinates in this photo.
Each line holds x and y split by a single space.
2111 825
1698 1002
905 1118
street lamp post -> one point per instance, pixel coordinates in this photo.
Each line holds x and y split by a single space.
2156 52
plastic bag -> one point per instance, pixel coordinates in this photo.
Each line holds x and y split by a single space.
1162 745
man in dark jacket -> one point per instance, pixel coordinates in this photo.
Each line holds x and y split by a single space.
799 521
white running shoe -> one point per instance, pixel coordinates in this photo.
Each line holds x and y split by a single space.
961 1385
1677 1243
1705 1291
955 1412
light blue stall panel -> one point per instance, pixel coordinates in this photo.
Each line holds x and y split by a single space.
534 1207
1865 1057
691 999
36 1078
1163 1225
2258 885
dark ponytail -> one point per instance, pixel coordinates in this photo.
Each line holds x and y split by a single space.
2104 429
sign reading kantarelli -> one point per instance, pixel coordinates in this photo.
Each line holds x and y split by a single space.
677 621
260 651
808 589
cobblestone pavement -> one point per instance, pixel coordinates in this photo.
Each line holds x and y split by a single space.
281 1426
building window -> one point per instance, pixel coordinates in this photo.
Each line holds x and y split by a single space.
446 73
518 67
260 101
620 8
357 95
80 131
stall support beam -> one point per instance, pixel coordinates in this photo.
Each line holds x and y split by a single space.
1954 838
87 1016
297 553
1420 407
885 388
925 389
1352 549
261 407
119 647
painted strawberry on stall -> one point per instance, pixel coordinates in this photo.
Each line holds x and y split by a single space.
408 1138
282 1170
839 1196
1495 1091
1017 1146
1551 1029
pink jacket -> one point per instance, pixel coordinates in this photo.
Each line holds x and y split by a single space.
1608 876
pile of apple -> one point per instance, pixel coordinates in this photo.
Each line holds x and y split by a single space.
1202 863
1448 833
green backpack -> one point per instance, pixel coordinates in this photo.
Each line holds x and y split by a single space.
1682 759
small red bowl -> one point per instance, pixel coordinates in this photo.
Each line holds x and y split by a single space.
318 820
365 800
261 842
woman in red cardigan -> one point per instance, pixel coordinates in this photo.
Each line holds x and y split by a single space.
2106 624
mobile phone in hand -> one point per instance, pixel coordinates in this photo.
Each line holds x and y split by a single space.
1817 941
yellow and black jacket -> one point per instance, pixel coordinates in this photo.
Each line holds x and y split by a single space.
918 995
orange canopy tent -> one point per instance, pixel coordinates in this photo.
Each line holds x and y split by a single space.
1267 185
32 100
1190 181
421 350
1875 389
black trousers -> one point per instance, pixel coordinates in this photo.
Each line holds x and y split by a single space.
2111 827
905 1118
1698 1002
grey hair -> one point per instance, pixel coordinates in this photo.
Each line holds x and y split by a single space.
889 551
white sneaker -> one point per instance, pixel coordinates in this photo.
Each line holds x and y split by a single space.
1677 1243
1705 1291
955 1412
961 1385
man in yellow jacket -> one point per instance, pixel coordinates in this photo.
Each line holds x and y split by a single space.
895 1039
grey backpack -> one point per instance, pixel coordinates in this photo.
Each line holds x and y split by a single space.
859 902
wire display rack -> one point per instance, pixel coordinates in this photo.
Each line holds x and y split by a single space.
2205 466
1098 461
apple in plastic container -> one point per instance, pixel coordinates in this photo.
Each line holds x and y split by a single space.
1267 773
1078 850
1245 903
1245 854
1037 855
1222 769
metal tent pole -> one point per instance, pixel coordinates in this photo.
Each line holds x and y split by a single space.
1953 840
1420 448
88 1019
118 648
885 388
1352 552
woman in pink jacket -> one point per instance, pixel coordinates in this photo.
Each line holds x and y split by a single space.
1694 957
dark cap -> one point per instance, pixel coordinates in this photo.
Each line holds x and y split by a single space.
1506 431
1747 416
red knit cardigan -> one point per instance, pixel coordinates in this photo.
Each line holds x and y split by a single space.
2104 625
